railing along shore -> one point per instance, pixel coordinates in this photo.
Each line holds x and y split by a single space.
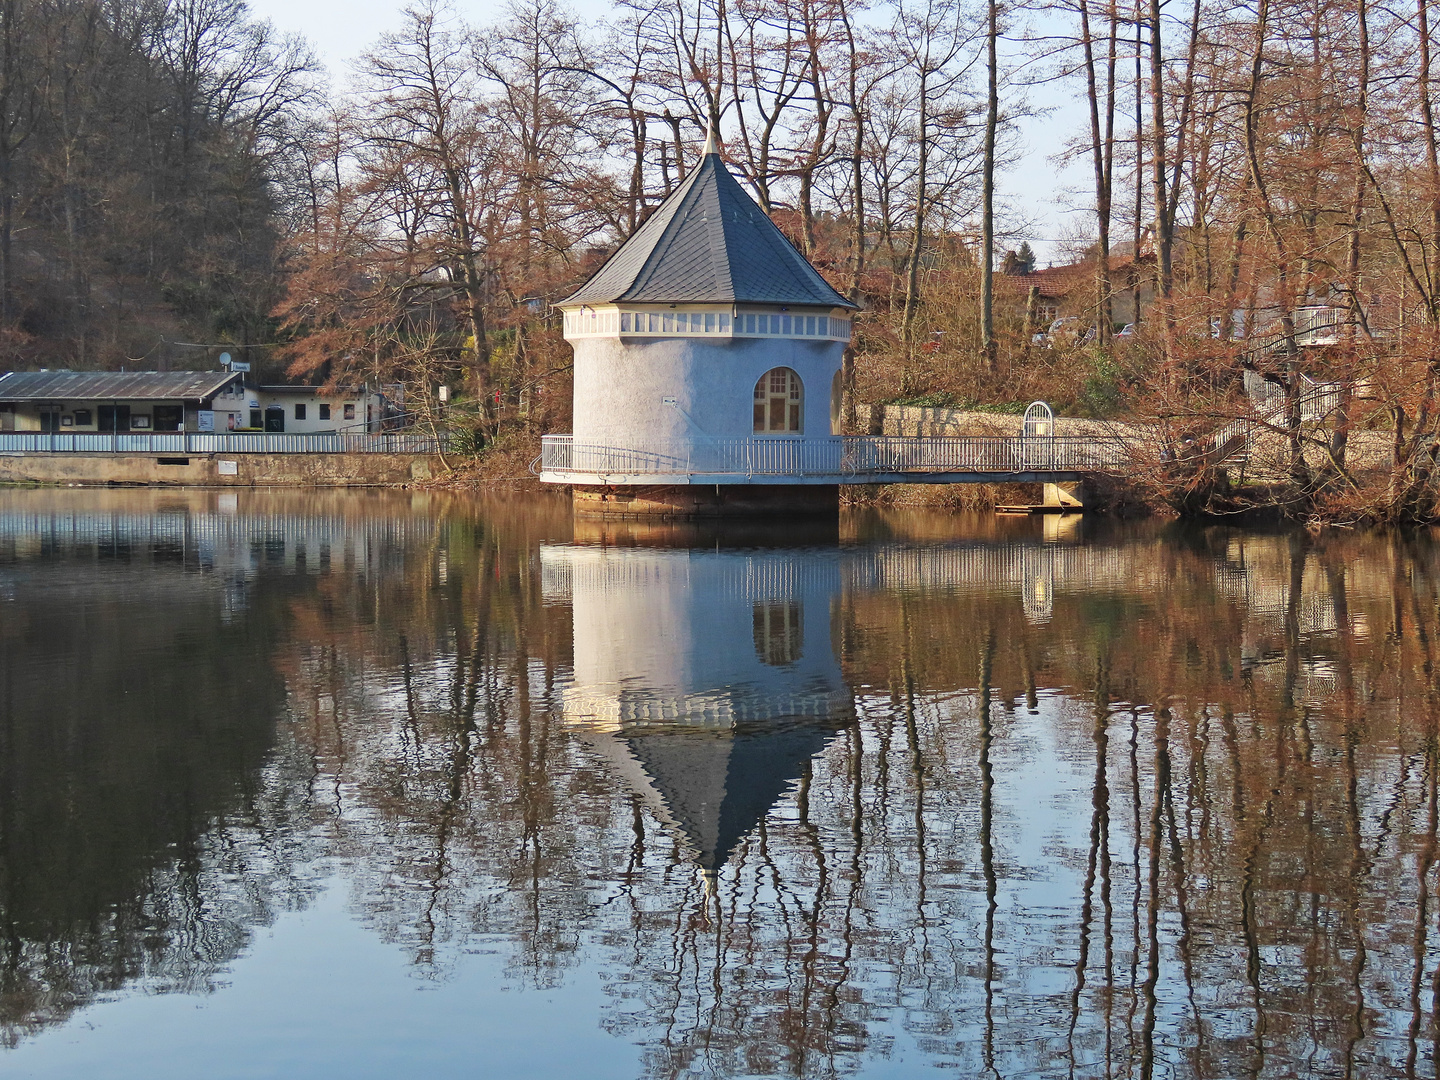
192 442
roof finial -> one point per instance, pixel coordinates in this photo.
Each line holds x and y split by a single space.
709 138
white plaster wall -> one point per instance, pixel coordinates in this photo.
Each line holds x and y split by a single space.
312 424
621 386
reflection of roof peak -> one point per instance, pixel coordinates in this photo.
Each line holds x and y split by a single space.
708 242
712 788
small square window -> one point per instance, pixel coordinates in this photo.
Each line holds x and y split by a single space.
724 322
625 322
785 325
299 412
824 325
324 412
82 418
668 324
764 324
749 324
709 322
349 412
809 325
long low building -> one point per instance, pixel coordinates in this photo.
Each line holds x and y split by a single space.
111 401
200 401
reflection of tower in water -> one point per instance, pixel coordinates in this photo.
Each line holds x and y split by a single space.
706 679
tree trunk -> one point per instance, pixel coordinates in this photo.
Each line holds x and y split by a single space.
917 234
857 160
1164 277
1101 155
1432 161
987 212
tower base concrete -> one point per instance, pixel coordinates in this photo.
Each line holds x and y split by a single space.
773 501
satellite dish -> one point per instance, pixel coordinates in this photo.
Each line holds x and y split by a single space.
224 359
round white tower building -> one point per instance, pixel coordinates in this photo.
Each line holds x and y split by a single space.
707 366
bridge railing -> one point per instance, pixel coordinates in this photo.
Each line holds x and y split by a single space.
1044 453
858 455
191 442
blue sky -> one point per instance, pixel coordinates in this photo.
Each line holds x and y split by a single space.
1038 192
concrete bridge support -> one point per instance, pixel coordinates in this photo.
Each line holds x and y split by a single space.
691 501
1072 495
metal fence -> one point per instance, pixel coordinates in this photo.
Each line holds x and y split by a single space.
859 455
191 442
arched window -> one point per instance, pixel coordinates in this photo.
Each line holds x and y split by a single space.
779 398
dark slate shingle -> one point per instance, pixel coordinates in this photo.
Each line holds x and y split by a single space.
112 385
708 243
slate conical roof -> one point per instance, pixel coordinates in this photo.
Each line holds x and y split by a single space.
708 243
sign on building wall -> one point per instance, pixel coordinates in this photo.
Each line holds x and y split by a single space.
205 420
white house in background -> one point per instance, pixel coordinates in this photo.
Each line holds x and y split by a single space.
311 410
87 402
706 338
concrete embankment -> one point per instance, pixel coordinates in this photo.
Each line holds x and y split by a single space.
218 470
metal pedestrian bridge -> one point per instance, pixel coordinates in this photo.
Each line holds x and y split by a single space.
848 459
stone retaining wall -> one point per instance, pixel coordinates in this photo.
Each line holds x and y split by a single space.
218 470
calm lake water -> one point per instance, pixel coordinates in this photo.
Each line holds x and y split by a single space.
383 785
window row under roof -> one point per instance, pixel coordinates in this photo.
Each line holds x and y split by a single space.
589 323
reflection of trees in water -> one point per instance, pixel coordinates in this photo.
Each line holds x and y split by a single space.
1231 880
144 819
1186 826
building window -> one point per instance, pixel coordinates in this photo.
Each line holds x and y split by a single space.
349 412
324 412
778 635
82 418
778 399
299 412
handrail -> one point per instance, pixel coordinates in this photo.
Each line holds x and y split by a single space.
840 456
193 442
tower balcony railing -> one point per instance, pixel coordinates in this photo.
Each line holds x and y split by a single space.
858 456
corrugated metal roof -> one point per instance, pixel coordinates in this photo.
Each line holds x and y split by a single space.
708 243
112 385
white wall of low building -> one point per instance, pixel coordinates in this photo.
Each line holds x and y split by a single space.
622 383
365 415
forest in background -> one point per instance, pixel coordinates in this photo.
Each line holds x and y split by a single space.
147 156
175 173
